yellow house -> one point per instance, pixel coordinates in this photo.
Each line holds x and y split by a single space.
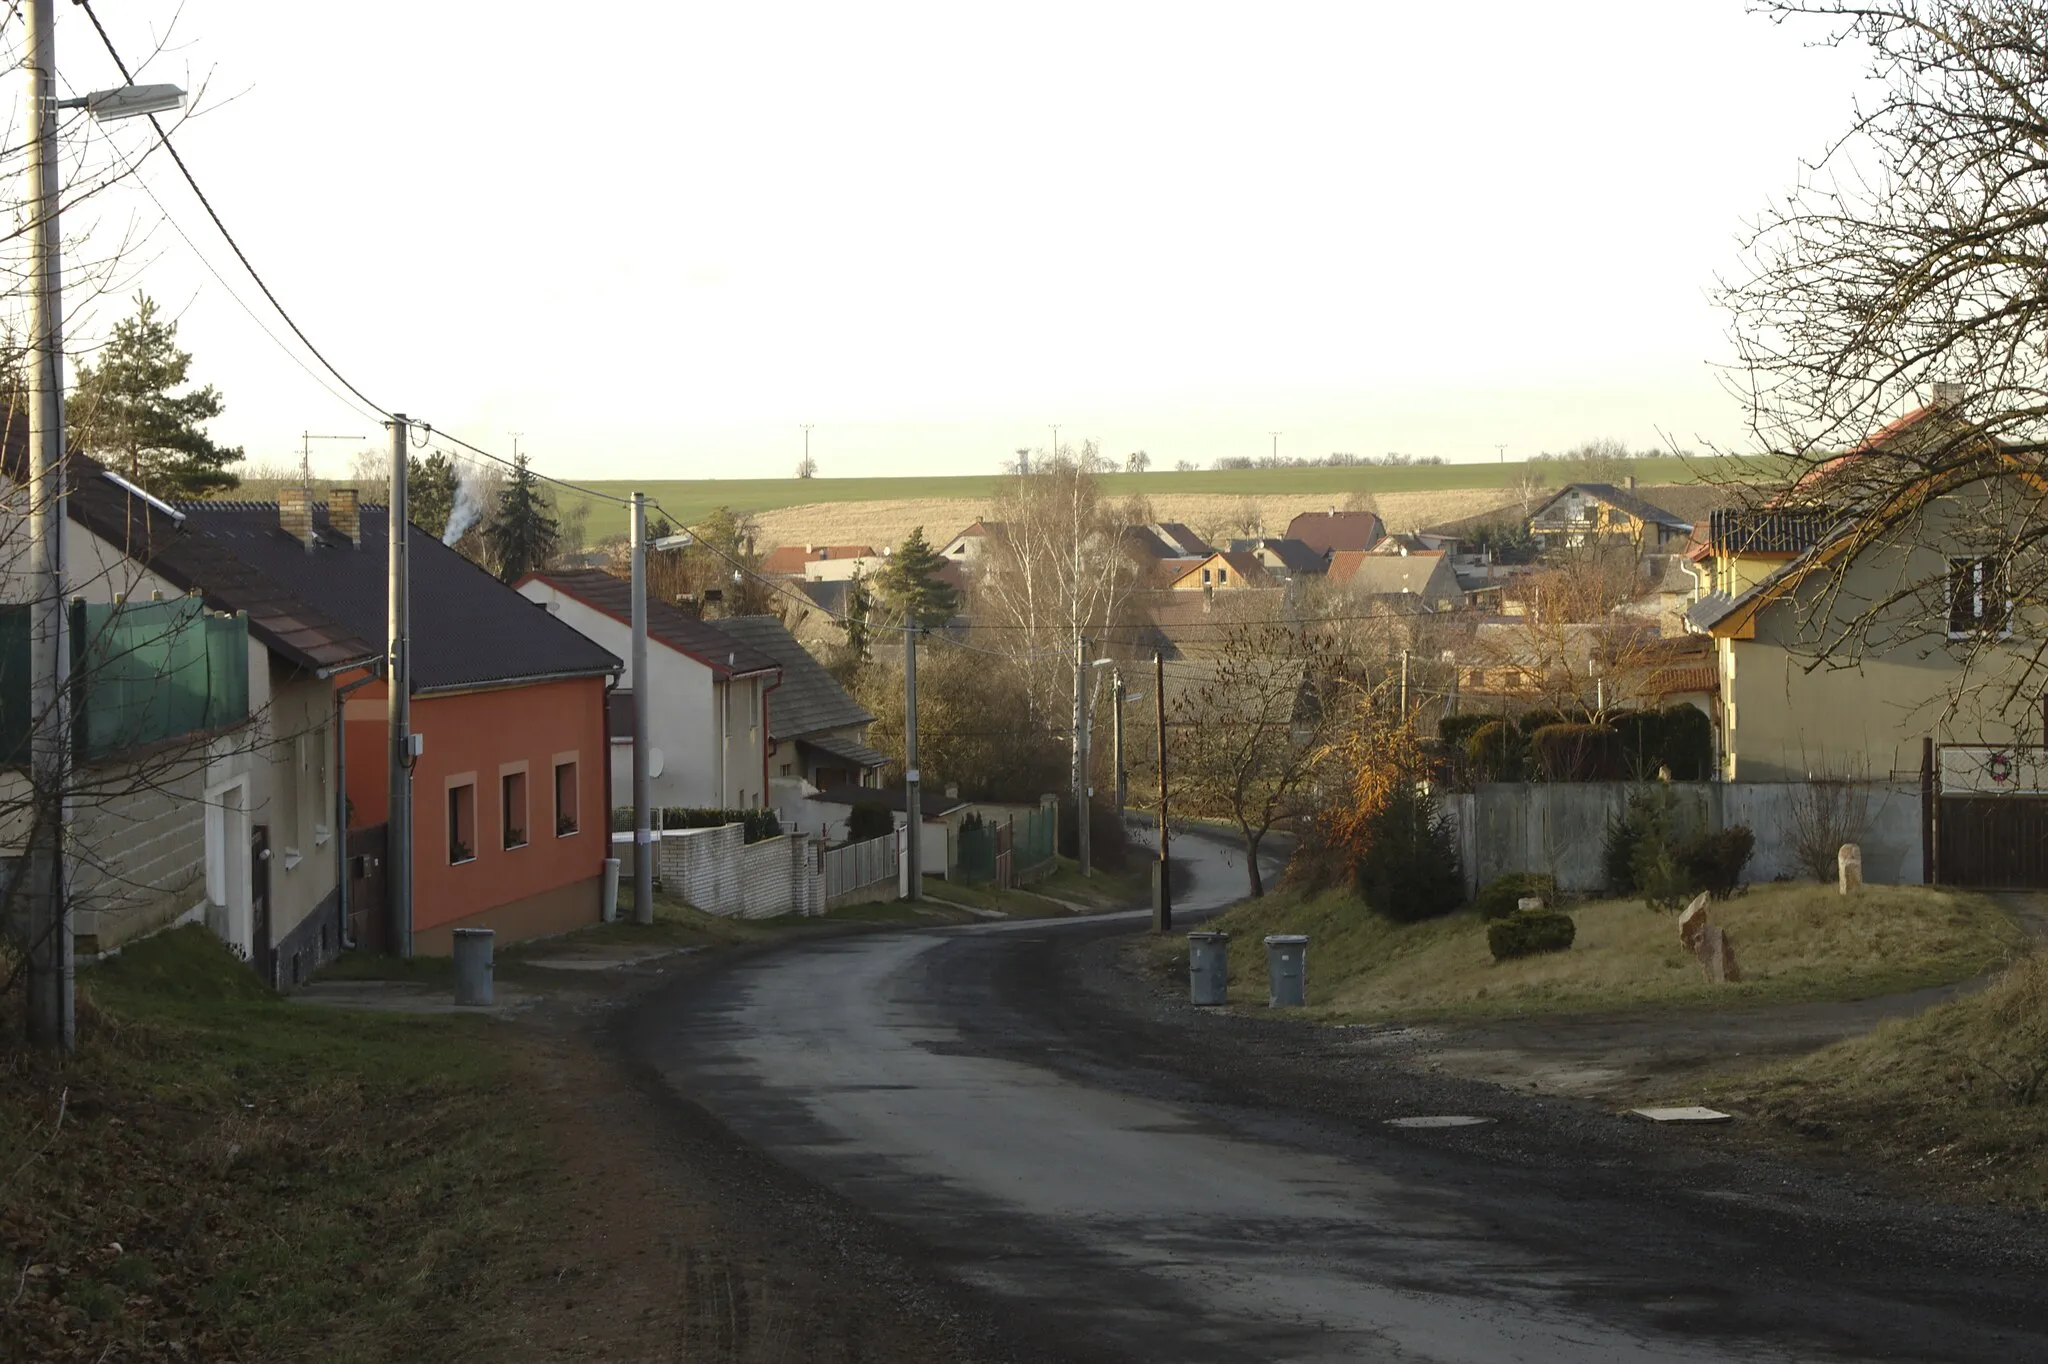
1844 640
1224 571
1581 514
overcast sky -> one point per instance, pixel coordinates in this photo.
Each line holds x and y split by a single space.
656 238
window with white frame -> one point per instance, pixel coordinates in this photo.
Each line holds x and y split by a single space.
1977 598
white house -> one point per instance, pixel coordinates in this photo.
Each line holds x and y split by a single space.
709 694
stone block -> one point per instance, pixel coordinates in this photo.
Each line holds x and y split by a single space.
1692 923
1849 868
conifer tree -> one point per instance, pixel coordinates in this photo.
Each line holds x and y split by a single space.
523 533
910 587
126 412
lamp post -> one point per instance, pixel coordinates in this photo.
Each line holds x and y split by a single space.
51 1011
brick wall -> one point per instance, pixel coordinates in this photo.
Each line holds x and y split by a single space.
139 861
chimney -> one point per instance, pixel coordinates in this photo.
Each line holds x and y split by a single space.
295 514
1629 482
345 515
1947 393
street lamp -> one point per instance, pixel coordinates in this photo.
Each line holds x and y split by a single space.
51 1007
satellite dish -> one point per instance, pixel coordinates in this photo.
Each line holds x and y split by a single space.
653 761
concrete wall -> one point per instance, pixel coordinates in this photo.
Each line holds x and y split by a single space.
1560 828
718 872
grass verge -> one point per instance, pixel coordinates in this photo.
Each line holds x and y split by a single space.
1958 1094
1796 941
219 1174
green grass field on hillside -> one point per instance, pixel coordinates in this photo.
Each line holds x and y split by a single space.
687 500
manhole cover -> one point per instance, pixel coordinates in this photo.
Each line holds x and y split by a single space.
1440 1120
1692 1113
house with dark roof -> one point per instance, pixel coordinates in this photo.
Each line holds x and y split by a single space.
817 733
510 827
709 693
1420 581
204 733
1162 540
1596 513
1328 531
1856 638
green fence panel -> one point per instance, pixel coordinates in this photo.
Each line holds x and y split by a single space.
149 672
16 721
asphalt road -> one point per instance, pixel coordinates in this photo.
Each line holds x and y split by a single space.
954 1084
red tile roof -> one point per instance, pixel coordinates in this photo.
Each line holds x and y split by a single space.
789 560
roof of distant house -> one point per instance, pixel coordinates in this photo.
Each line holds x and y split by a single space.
1465 527
726 656
785 561
1295 557
1324 532
1620 498
468 629
808 700
1768 530
1388 575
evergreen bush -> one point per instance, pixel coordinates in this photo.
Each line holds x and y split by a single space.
869 819
1526 935
1574 752
1502 896
1409 870
1714 862
1498 752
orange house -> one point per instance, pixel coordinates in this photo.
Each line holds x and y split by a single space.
510 820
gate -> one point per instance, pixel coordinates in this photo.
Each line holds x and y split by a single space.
1991 816
368 919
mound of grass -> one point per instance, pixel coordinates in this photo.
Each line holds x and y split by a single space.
1798 941
241 1177
1959 1093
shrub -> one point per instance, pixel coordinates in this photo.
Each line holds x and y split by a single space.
1569 752
1500 897
1106 834
1532 720
869 819
1526 935
1641 848
1687 743
1456 730
755 825
1498 752
1714 862
1409 870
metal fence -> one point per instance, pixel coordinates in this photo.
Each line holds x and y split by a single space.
1034 841
860 867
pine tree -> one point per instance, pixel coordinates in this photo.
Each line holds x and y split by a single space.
429 491
125 412
910 588
522 534
860 603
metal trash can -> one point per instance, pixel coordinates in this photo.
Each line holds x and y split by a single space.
1286 971
611 890
473 965
1208 968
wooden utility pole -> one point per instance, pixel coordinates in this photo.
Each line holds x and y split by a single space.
1162 881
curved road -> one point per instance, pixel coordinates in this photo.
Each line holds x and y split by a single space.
1129 1217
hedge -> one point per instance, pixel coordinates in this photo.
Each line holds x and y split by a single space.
1503 895
1526 935
1568 752
755 825
1498 751
1457 730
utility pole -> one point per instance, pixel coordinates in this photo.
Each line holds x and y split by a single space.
913 803
1117 743
1503 453
1055 451
1404 688
807 444
398 699
643 835
1162 889
1081 803
51 1007
1276 444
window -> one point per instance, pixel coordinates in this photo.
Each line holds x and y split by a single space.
788 769
462 823
512 803
1205 575
1977 600
565 798
1222 575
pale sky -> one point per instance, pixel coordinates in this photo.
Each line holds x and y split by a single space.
656 238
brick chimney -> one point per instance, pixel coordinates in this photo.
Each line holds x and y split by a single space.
1629 482
295 514
345 515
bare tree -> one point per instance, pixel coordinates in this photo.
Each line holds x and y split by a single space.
1137 462
1251 722
1907 273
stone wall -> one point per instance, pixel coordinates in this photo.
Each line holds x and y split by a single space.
1560 828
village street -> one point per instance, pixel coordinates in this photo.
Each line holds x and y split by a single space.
1145 1183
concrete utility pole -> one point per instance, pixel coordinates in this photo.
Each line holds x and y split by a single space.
398 851
1404 688
1276 444
643 832
913 802
1162 885
1117 743
1082 804
51 1011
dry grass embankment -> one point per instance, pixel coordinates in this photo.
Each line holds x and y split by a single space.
1793 941
220 1174
1958 1094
